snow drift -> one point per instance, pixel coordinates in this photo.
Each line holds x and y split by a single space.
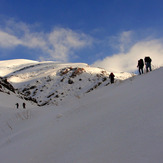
119 123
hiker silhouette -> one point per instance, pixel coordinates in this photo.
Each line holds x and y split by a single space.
148 61
24 105
140 66
111 76
17 105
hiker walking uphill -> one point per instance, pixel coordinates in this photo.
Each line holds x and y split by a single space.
148 61
140 66
111 76
24 105
17 105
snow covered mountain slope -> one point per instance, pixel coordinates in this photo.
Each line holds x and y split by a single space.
119 123
8 66
51 82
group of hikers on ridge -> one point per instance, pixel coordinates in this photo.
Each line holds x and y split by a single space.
140 65
147 61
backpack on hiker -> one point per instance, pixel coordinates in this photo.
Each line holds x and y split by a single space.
147 59
140 63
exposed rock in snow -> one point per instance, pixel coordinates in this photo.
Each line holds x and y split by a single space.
51 83
5 86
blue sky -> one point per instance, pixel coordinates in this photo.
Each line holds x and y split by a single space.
112 34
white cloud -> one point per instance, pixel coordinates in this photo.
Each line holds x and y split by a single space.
59 44
128 61
15 34
65 41
125 40
122 41
34 40
7 40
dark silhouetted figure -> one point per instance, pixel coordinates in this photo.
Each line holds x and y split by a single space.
140 66
24 105
148 61
17 105
111 76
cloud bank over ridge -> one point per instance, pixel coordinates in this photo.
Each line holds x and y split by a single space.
127 60
63 44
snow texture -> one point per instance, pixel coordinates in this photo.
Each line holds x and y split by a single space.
118 123
48 83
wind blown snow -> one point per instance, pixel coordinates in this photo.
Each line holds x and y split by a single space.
119 123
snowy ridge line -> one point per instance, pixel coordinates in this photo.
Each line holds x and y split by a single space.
24 68
28 67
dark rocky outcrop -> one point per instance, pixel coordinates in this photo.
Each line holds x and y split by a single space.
5 84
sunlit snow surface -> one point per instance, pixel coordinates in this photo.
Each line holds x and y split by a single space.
51 82
119 123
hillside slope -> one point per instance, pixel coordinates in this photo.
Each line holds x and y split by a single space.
120 123
49 82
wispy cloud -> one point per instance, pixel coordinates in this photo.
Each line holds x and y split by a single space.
59 44
122 41
65 41
8 40
127 61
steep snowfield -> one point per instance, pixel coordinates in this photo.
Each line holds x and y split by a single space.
120 123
